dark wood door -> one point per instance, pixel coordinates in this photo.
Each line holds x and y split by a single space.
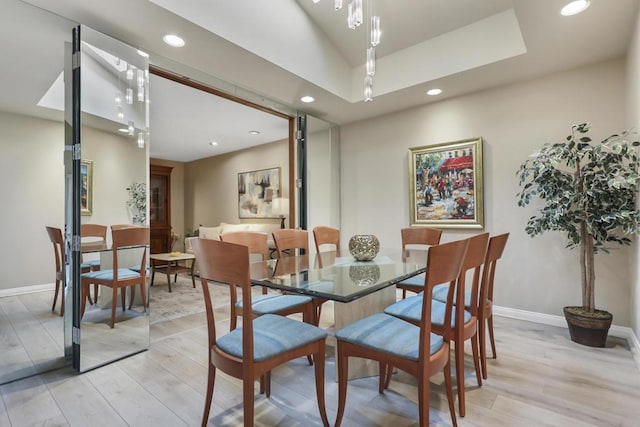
160 208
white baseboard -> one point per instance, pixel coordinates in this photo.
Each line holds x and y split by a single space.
27 290
553 320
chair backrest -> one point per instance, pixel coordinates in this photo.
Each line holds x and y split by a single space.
132 236
227 263
494 253
290 239
55 235
473 260
93 230
121 226
323 235
256 241
444 264
420 236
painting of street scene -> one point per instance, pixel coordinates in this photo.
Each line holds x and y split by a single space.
447 184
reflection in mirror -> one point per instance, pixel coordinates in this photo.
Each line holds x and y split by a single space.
32 188
114 142
323 189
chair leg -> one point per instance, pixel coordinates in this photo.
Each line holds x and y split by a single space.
83 298
132 296
62 298
114 302
55 295
423 400
207 401
308 317
343 371
493 342
143 293
459 357
95 293
248 400
449 387
123 292
482 346
404 293
318 361
476 358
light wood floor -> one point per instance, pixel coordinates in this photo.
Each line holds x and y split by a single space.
540 378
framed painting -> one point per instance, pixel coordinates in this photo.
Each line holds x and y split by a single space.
256 193
86 187
445 185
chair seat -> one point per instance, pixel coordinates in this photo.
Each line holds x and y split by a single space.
271 304
123 273
92 263
411 309
272 335
415 281
137 268
388 334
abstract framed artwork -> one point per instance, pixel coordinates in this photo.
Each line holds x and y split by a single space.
445 185
257 191
86 187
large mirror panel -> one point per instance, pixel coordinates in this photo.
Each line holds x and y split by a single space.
113 199
32 186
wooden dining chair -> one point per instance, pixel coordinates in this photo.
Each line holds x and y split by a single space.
323 235
121 278
422 236
283 305
261 344
464 322
287 242
392 342
57 240
100 232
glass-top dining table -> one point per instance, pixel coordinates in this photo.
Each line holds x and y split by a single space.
357 288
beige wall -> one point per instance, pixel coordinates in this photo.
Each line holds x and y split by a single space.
32 188
538 274
633 120
177 198
211 184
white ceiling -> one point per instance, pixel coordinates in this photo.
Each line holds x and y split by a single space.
283 49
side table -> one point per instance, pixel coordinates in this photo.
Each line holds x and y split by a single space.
170 264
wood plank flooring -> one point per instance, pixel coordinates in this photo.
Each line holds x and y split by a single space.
540 378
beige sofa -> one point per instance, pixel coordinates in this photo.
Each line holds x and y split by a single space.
215 232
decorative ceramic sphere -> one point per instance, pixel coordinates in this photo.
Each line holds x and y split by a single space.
364 275
364 247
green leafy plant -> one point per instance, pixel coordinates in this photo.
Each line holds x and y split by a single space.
588 191
137 203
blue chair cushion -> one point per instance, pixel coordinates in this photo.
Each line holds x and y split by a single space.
272 335
387 334
271 304
137 268
411 309
415 281
123 273
92 263
440 294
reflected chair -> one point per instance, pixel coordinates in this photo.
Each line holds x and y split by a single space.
422 236
55 236
322 236
261 344
279 304
464 322
289 240
392 342
121 278
100 232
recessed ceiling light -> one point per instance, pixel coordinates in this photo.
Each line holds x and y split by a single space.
254 132
173 40
574 7
434 91
123 130
213 144
307 99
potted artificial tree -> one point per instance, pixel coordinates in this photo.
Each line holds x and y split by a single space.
588 191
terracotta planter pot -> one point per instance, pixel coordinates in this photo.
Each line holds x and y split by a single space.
587 329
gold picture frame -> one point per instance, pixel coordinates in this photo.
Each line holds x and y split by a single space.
86 187
445 185
257 191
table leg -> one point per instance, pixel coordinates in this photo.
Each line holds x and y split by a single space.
169 275
193 263
153 270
